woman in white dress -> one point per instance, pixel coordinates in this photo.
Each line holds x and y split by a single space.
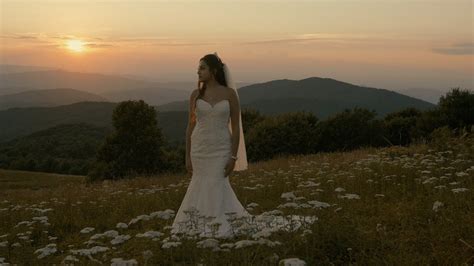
213 151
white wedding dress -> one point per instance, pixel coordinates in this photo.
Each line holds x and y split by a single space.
209 197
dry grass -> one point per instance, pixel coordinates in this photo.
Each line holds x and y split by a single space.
394 221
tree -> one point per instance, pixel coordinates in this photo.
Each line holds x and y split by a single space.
288 133
350 129
401 126
250 117
135 146
458 106
429 121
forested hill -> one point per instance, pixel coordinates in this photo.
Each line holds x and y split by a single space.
17 122
321 96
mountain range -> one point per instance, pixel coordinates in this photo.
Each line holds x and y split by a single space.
35 98
47 98
321 96
18 122
113 88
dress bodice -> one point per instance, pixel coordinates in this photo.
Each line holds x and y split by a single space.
212 123
216 115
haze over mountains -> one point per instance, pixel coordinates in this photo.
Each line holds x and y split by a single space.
90 98
426 94
47 98
113 88
9 69
119 87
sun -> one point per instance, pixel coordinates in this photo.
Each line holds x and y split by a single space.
75 45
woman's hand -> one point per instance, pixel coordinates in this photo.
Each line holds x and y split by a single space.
229 167
189 166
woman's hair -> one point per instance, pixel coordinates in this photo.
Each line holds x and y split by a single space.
214 63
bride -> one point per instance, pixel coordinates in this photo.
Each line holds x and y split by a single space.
215 147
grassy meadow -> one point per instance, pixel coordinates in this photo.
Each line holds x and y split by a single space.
399 205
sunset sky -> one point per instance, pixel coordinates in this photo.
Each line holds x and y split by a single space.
391 44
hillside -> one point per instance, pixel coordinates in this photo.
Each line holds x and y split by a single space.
47 98
391 206
114 88
323 97
18 122
65 148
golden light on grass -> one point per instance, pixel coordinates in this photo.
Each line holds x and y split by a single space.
75 45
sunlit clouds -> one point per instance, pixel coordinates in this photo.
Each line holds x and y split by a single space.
384 44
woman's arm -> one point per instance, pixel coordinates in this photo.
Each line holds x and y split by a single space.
191 123
234 120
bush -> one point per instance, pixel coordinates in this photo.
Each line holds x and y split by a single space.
429 121
400 127
441 137
250 117
349 130
134 148
458 107
289 133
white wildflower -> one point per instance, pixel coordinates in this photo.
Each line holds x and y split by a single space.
87 230
119 239
292 262
49 249
121 225
461 189
437 205
349 196
121 262
288 195
319 204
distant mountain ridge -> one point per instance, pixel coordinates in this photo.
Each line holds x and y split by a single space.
8 68
47 98
89 82
321 96
115 88
18 122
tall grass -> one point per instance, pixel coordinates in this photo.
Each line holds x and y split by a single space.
398 205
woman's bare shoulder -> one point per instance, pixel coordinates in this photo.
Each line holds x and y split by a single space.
230 92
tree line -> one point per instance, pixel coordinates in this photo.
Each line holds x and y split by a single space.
136 145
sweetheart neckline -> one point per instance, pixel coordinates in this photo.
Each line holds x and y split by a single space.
212 106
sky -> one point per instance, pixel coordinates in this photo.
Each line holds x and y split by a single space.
390 44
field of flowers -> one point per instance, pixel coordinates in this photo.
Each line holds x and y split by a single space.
399 205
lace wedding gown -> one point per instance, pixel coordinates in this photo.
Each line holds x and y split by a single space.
209 197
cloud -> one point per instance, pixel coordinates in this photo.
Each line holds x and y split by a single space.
58 40
44 40
321 37
463 48
19 36
98 45
160 41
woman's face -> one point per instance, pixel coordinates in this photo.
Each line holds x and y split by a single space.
204 72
